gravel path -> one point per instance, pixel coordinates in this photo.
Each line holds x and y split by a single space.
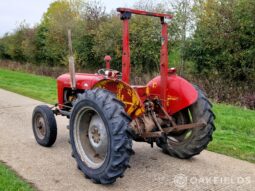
53 169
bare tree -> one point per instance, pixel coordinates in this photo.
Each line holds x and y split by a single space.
185 22
93 11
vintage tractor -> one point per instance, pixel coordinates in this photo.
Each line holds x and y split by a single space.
106 113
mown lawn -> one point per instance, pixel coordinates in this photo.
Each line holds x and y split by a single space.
38 87
9 181
235 132
235 127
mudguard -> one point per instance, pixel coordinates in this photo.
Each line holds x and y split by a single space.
125 93
180 93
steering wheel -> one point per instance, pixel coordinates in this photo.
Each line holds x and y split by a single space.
103 71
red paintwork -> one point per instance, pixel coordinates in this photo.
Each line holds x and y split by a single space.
83 82
141 12
125 53
141 91
179 94
174 92
164 64
163 53
107 60
125 93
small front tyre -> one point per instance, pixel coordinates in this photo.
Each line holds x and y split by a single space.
44 125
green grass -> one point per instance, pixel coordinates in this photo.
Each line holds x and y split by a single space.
38 87
235 127
235 132
9 181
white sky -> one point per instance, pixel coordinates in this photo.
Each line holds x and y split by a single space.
13 12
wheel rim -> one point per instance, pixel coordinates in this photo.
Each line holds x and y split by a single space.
40 126
183 136
180 139
90 137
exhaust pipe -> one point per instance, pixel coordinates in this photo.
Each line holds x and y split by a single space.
71 62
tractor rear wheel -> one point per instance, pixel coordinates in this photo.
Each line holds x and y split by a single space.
188 143
44 125
98 136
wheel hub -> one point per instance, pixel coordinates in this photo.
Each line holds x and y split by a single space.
40 127
90 136
95 135
98 135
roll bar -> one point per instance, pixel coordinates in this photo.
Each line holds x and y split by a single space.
125 16
145 13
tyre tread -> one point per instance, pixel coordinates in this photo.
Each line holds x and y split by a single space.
113 110
204 135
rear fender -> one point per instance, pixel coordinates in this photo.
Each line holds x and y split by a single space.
125 93
180 93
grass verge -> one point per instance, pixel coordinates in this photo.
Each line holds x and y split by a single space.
235 127
235 132
38 87
10 181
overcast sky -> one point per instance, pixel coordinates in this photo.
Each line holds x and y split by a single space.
13 12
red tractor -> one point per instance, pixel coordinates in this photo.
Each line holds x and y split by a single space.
106 113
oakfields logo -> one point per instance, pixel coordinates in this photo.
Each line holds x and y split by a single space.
181 180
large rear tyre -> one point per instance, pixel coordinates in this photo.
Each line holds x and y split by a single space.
44 125
188 143
98 136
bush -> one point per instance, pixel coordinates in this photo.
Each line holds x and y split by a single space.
224 41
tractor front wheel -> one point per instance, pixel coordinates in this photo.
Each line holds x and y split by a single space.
98 136
44 125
